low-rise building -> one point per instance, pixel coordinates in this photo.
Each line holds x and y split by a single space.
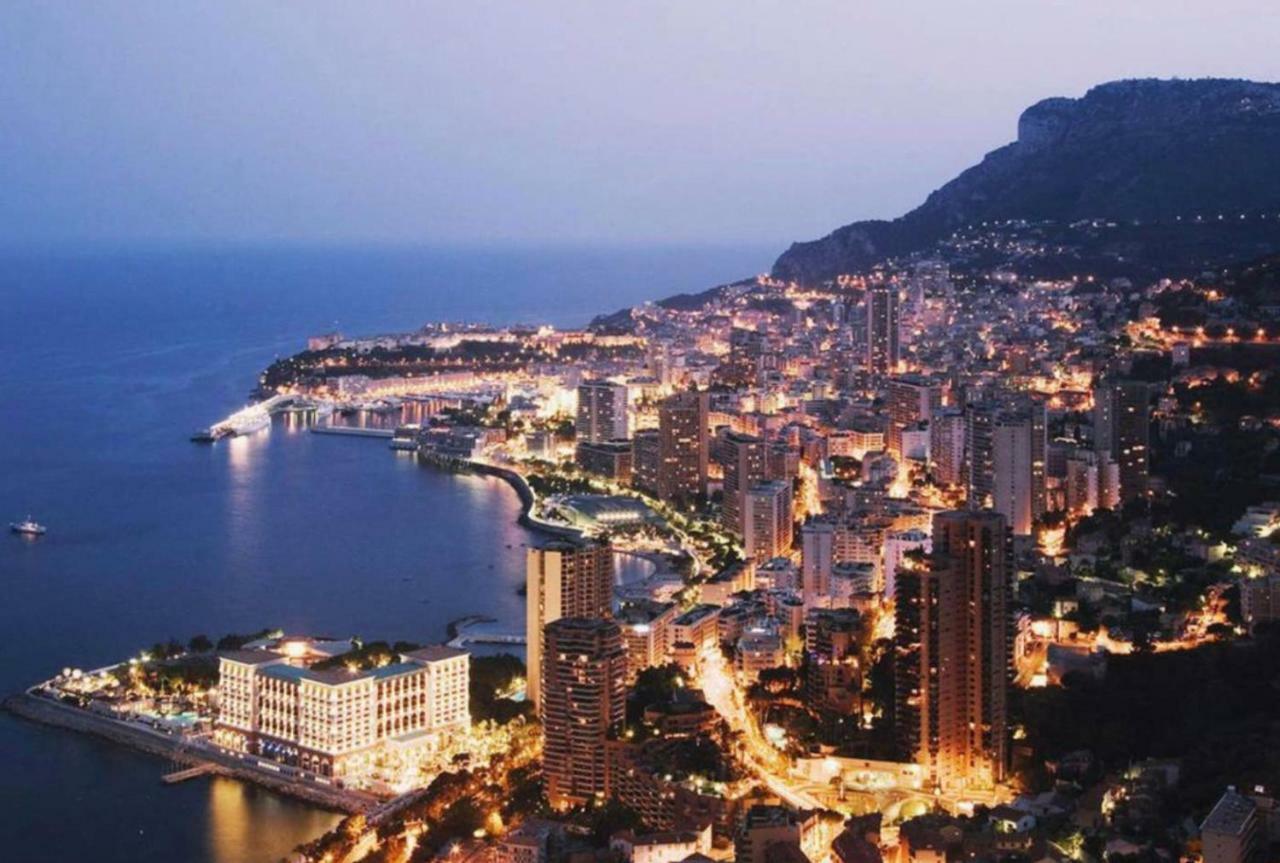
1230 833
645 637
665 847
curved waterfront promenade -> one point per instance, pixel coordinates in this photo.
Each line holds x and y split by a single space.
527 499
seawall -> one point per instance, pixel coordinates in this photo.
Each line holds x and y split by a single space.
49 712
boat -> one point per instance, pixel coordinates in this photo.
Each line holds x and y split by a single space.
203 436
28 527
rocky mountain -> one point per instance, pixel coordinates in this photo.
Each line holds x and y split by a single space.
1175 153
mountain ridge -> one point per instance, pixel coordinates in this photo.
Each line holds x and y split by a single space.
1135 149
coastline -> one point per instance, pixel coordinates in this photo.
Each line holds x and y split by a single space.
44 711
517 481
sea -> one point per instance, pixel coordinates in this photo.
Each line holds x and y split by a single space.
109 359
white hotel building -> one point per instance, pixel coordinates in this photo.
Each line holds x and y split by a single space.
273 704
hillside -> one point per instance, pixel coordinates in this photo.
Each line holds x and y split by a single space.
1134 151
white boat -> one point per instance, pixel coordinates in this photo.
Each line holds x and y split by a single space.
28 528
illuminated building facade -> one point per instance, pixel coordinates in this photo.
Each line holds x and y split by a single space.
1122 431
275 705
912 398
584 689
954 649
744 466
882 329
563 578
683 447
602 412
767 525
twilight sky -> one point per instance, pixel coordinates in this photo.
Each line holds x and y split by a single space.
522 121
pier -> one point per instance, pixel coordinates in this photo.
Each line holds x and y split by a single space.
462 639
177 776
353 431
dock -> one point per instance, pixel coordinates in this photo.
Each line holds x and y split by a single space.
354 431
463 639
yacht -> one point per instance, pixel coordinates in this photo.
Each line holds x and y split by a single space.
28 527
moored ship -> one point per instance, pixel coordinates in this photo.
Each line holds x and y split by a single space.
30 527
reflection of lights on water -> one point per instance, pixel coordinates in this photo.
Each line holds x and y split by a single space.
238 453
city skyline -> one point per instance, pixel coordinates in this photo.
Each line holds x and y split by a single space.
412 476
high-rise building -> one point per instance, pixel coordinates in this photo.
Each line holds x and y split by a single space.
817 556
744 466
882 329
767 525
912 398
1019 446
682 446
564 578
584 688
1006 451
946 447
955 652
602 412
979 456
1122 430
646 458
746 352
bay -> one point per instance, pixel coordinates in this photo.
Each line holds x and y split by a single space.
108 359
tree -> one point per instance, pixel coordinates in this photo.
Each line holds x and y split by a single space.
612 817
200 644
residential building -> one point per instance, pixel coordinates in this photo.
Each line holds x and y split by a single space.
1232 831
612 459
743 457
682 447
767 525
766 825
584 688
646 458
947 447
1122 430
645 633
817 556
602 412
882 346
912 399
563 578
954 641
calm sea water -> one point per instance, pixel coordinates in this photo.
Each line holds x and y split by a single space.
107 362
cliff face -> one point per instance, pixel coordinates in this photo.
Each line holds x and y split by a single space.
1145 149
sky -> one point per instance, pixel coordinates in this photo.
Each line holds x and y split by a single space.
525 122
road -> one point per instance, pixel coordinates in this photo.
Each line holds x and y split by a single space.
766 762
